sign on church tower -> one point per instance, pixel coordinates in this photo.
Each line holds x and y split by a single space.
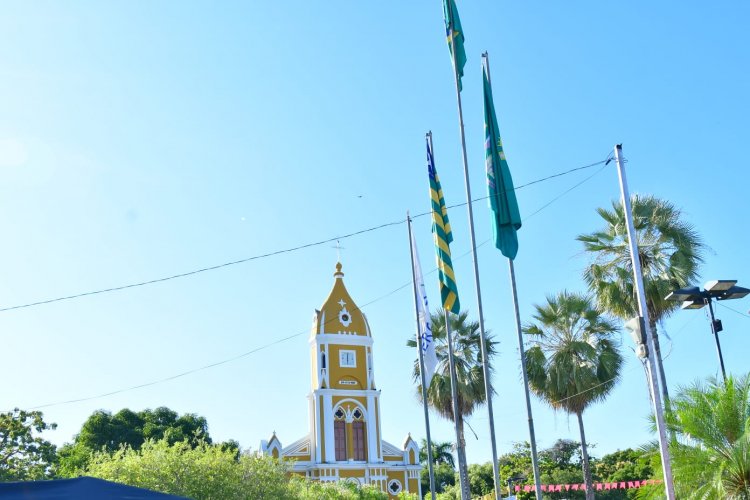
345 441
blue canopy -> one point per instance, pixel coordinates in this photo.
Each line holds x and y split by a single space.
81 487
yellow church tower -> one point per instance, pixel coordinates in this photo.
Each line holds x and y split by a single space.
345 442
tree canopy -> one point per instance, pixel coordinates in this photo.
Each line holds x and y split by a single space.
24 454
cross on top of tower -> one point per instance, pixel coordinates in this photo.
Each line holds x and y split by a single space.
338 248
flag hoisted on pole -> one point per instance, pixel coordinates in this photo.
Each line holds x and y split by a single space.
441 231
456 39
454 35
506 221
425 345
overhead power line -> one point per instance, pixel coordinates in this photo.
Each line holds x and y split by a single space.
291 249
268 345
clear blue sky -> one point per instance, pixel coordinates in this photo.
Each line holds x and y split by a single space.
144 139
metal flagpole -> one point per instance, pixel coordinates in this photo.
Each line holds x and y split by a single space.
532 434
421 362
463 476
485 364
666 463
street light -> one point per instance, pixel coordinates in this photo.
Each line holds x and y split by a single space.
511 480
695 298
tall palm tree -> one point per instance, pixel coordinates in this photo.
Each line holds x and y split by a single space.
574 361
670 252
467 358
711 454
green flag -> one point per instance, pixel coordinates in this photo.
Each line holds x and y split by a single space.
506 219
453 30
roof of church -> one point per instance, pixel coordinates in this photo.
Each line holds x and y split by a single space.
339 313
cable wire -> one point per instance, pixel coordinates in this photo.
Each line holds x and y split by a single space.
732 309
292 249
270 344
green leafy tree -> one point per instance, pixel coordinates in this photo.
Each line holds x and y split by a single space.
515 465
304 489
481 480
106 431
24 454
711 453
670 252
201 471
468 362
574 361
622 465
445 477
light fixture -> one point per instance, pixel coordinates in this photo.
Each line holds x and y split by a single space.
693 304
719 285
695 298
690 293
736 292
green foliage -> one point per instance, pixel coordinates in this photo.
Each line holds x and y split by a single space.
574 360
711 453
450 493
304 489
441 453
199 471
24 455
445 477
105 430
561 464
670 254
480 479
468 361
108 432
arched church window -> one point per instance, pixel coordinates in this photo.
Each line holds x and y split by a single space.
323 360
339 414
357 414
339 439
358 439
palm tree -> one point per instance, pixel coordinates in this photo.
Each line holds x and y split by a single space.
441 453
711 453
467 358
573 361
670 252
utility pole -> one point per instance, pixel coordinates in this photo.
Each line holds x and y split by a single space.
666 462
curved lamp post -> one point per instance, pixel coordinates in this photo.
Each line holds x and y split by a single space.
695 298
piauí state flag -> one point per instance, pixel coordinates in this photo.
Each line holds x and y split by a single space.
506 219
453 30
429 357
441 232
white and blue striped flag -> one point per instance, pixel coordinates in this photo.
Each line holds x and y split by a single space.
425 328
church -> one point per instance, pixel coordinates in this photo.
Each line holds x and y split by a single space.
344 441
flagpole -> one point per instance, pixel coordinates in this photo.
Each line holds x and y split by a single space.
463 476
485 362
421 362
532 433
666 463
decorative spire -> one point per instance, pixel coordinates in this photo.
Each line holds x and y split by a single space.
338 273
